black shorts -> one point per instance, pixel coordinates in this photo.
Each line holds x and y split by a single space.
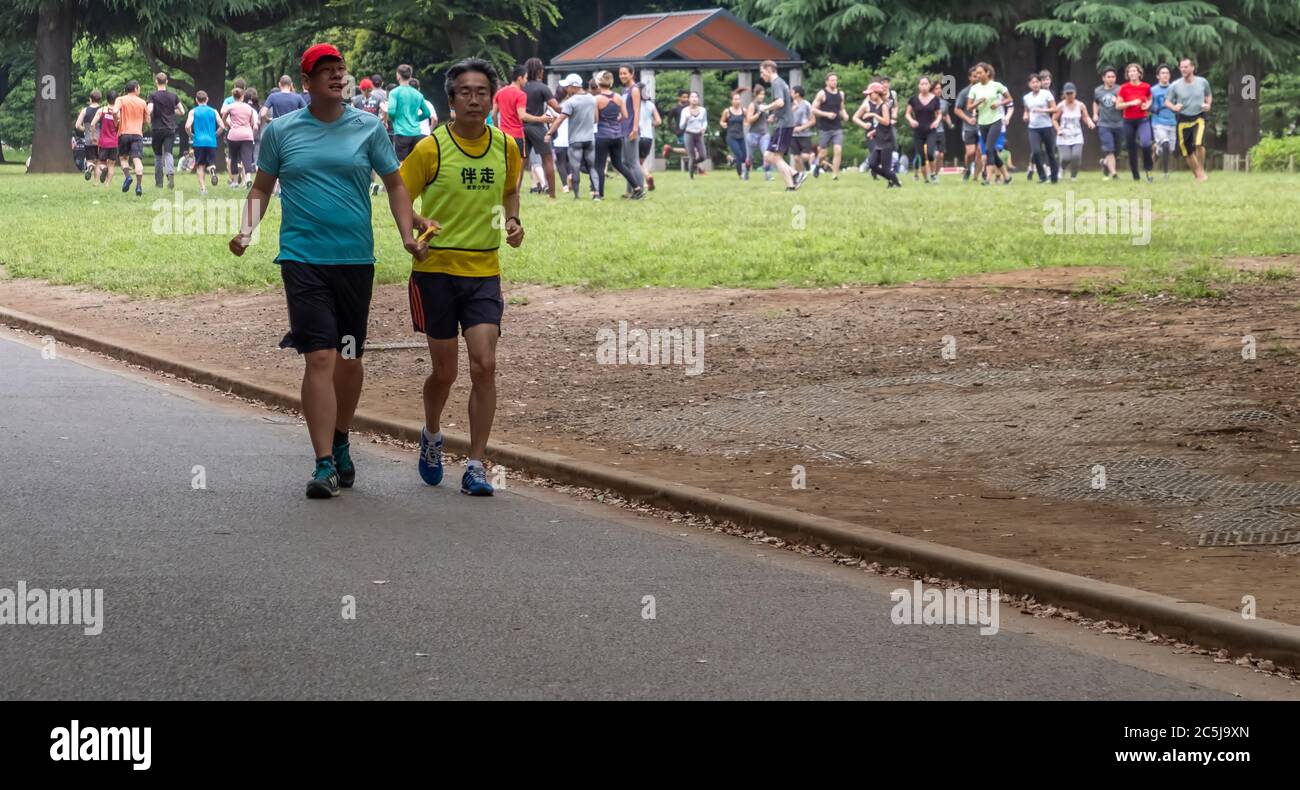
404 144
535 136
925 143
780 140
970 135
523 152
204 156
644 146
801 145
107 154
441 301
130 145
1191 133
162 142
329 305
92 153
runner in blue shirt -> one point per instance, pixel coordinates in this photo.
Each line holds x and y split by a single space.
1164 124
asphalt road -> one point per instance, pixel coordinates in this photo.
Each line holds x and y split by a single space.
236 591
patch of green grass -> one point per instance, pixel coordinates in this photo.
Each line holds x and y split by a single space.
713 231
1198 280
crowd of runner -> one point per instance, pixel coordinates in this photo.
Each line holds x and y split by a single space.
609 121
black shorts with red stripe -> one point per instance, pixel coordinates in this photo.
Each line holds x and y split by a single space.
440 302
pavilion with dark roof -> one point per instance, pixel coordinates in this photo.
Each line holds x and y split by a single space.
711 38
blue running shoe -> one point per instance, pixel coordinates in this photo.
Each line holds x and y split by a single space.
430 460
324 482
475 483
126 184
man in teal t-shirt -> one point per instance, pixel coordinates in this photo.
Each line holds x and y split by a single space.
405 110
322 156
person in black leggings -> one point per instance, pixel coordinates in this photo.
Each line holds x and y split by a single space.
988 99
1040 107
876 116
924 117
610 110
733 120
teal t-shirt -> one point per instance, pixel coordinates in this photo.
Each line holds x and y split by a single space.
406 109
324 171
991 92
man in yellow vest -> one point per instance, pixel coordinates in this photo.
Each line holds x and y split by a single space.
466 174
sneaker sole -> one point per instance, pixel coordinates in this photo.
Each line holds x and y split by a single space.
321 491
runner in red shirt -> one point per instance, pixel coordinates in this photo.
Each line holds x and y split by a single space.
508 102
1135 101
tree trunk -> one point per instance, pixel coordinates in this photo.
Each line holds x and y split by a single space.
1244 76
210 73
56 25
207 69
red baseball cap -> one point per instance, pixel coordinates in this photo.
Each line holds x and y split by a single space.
317 51
366 84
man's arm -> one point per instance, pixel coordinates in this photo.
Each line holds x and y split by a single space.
399 202
510 202
817 110
254 209
555 124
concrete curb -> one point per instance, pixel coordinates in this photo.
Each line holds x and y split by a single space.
1190 622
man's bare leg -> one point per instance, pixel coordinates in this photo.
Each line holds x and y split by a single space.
481 343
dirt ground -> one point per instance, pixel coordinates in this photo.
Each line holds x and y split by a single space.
1128 441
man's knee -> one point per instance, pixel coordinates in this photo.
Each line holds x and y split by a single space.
444 369
320 362
483 367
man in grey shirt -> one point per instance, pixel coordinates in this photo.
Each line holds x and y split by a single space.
782 108
579 107
1110 121
1190 99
